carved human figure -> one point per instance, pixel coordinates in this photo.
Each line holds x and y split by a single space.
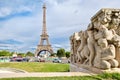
108 14
83 43
115 23
104 19
91 42
116 42
85 54
75 43
104 33
106 55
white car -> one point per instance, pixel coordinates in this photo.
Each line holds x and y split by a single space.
57 61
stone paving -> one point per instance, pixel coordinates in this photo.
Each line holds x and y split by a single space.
7 73
43 74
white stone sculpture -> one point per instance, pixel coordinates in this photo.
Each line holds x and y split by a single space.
99 45
91 48
83 42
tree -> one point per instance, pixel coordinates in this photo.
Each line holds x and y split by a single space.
53 54
11 54
30 54
67 54
4 53
61 52
21 54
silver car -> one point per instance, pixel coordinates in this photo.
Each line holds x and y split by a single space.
56 61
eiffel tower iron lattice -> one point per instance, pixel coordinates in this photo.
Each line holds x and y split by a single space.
44 37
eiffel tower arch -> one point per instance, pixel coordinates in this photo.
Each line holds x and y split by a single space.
44 37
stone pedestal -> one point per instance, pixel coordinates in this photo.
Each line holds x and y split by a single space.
91 70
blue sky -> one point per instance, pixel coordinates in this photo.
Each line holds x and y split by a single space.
21 21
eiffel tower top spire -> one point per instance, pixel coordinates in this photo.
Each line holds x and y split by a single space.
44 30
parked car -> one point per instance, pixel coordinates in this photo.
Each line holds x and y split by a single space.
34 59
16 59
26 59
56 61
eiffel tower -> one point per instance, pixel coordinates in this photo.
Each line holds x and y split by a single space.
44 37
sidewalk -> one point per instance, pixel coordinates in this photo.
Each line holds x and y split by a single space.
5 71
43 74
12 73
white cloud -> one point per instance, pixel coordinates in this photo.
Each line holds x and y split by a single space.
5 11
23 9
73 15
64 17
24 29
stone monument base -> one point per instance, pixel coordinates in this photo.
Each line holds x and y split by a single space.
92 70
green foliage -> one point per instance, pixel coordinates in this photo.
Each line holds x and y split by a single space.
110 76
61 52
4 53
21 54
30 54
38 67
104 76
67 54
11 54
7 53
54 54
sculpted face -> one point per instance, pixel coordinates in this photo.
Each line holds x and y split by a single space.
115 23
116 40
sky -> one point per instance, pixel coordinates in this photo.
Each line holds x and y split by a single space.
21 21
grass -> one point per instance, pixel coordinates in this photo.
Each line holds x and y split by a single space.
37 67
104 76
